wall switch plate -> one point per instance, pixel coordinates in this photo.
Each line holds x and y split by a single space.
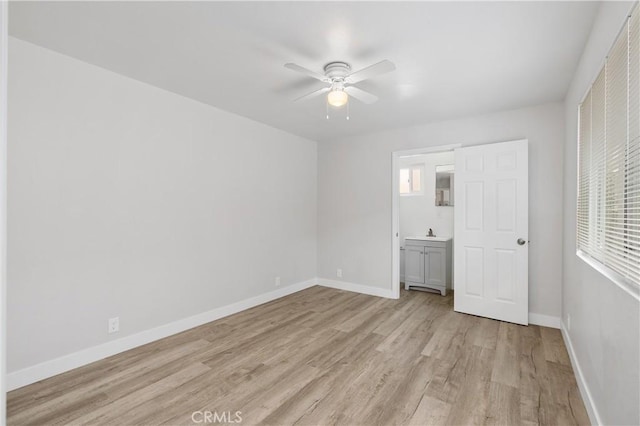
277 281
114 325
339 273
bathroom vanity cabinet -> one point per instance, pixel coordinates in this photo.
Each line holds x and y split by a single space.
427 263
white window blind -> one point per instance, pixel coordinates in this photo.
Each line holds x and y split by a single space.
608 210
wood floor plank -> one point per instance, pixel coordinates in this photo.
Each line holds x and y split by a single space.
45 412
362 316
565 395
445 327
533 374
401 405
504 405
468 387
554 348
506 368
430 412
403 308
486 333
353 365
324 356
110 414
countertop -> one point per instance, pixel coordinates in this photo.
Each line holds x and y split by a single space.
443 239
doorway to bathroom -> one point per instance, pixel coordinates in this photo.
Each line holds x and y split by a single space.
423 203
488 226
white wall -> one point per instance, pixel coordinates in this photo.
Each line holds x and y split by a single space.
605 319
127 200
354 196
418 213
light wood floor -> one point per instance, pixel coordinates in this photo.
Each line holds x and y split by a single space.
325 356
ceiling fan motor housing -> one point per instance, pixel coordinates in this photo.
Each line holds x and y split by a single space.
337 70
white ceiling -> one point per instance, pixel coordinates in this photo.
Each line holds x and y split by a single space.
453 59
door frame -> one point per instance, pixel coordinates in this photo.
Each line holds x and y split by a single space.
4 40
395 206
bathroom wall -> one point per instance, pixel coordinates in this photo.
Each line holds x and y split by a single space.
418 213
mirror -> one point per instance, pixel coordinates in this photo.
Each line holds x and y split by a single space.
444 185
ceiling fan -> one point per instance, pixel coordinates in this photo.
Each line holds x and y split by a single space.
341 80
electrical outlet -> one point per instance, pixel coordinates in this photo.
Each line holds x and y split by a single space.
568 322
277 281
339 273
114 325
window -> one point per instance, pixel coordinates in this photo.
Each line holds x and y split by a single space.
411 180
608 210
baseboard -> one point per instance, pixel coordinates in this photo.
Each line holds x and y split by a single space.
356 288
65 363
545 320
592 411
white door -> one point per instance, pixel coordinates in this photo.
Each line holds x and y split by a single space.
491 215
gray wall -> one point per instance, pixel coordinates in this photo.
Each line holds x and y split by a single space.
605 319
127 200
354 196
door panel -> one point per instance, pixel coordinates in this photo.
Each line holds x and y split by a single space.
474 267
474 194
436 265
491 214
414 264
506 278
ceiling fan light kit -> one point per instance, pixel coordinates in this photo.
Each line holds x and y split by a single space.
337 98
340 82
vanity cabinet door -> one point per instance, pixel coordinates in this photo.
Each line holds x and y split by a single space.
414 264
436 266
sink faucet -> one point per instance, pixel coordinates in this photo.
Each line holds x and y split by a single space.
431 234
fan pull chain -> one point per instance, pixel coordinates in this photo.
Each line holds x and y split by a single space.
348 102
327 105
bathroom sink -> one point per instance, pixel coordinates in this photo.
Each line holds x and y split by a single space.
429 238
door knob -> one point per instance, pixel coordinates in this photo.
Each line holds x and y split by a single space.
521 242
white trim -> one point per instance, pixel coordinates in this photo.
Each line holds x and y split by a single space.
426 150
589 404
395 207
3 206
56 366
357 288
395 225
545 320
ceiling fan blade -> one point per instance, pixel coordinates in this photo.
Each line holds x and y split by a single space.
371 71
312 94
361 95
303 70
